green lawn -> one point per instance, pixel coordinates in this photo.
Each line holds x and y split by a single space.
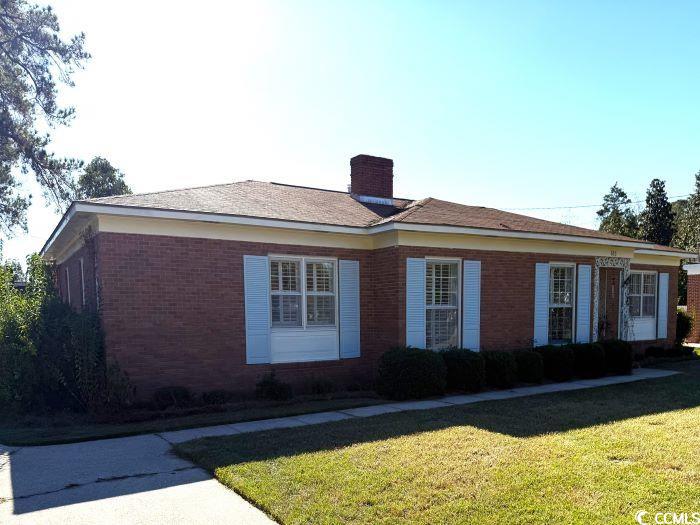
591 456
70 428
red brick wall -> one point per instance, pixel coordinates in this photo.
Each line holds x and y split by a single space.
72 264
173 308
694 307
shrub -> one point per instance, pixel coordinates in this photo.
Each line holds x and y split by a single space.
318 386
218 397
684 324
558 362
501 369
655 351
269 387
619 356
589 360
466 370
411 373
172 396
530 366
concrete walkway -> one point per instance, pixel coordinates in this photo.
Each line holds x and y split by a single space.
138 479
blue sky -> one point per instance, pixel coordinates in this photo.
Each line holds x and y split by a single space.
502 104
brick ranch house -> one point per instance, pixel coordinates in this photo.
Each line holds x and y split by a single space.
213 287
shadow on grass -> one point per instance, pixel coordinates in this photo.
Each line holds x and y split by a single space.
520 417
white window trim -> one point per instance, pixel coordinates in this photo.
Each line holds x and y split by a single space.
574 297
82 282
302 276
459 264
642 294
67 273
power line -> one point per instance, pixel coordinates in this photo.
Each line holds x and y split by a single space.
585 205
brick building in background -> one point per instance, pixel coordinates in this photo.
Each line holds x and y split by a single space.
213 287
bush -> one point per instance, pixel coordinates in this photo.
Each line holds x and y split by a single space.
269 387
51 357
466 370
317 386
589 360
172 396
501 369
619 356
655 351
684 324
558 362
218 397
411 373
530 366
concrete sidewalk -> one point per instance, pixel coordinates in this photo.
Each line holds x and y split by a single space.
139 480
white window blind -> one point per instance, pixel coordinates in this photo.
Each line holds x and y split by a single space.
441 304
561 302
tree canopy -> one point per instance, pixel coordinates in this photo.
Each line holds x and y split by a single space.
687 224
656 222
34 59
100 179
616 215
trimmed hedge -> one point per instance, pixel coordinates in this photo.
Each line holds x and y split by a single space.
269 387
501 369
559 362
466 370
589 360
530 366
619 356
172 396
411 373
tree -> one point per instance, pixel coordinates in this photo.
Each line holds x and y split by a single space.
33 60
687 224
616 215
100 179
656 221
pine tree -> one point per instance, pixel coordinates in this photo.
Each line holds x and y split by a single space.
687 235
616 215
656 221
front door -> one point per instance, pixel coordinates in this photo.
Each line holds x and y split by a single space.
609 301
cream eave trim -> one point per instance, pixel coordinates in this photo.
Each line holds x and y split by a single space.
126 211
680 255
692 269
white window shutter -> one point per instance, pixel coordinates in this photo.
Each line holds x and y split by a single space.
662 314
349 306
256 282
471 308
541 304
583 304
415 302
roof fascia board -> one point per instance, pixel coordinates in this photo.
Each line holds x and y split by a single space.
84 207
680 255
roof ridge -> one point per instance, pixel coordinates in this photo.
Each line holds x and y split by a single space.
173 190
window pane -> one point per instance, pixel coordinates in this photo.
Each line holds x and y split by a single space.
320 310
441 284
284 276
319 277
561 285
441 328
560 323
636 283
650 283
635 302
286 310
649 306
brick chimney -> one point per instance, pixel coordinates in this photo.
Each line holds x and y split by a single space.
372 176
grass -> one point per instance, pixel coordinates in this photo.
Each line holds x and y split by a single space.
71 428
590 456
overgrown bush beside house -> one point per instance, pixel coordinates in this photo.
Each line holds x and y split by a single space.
589 360
411 373
466 370
530 366
619 356
559 362
50 356
684 324
501 369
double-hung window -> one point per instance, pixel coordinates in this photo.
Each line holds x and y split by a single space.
442 304
561 303
642 294
298 302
